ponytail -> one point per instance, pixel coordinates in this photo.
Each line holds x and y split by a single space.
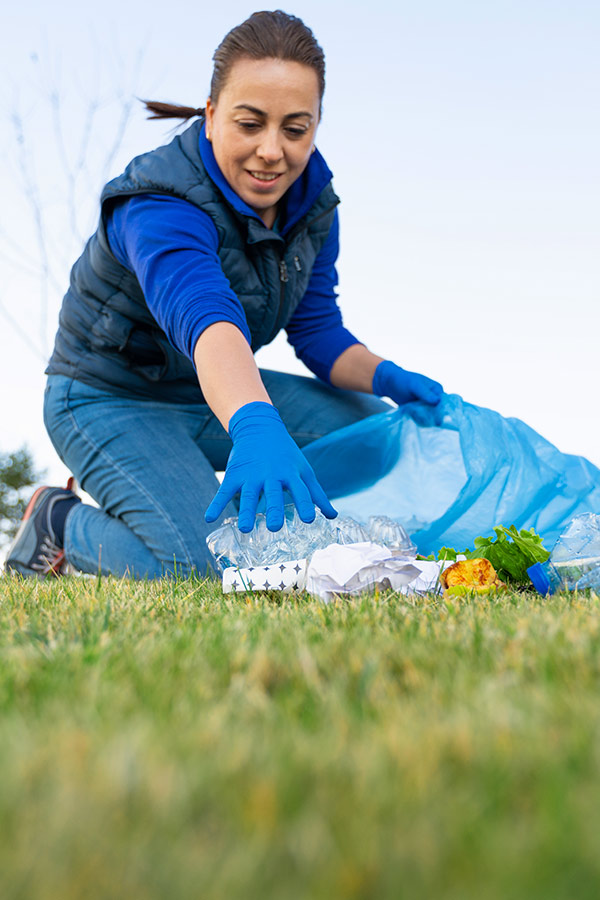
161 110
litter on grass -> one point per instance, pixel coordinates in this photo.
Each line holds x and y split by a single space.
448 474
344 569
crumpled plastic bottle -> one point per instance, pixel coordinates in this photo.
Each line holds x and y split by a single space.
298 540
574 563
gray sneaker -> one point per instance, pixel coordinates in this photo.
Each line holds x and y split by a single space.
35 551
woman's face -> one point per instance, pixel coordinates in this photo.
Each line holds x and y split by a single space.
263 128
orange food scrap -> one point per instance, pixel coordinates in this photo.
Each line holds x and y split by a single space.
471 574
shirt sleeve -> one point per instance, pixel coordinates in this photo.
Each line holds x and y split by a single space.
171 246
316 331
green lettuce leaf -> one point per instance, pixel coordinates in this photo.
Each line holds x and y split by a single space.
511 552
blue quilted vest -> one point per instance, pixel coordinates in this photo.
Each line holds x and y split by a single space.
107 336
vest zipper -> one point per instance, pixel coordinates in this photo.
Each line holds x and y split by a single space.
283 280
283 270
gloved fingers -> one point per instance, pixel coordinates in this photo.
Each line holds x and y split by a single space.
425 389
249 496
274 504
302 500
226 492
431 391
318 495
401 386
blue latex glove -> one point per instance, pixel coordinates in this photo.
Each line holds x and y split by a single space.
264 457
401 386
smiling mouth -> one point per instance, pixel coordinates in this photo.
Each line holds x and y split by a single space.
266 177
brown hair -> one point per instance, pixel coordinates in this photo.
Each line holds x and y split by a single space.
265 35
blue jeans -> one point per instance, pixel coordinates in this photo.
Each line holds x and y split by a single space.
151 468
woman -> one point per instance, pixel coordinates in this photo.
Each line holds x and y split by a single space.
206 249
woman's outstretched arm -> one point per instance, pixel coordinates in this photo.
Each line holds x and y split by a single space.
227 372
264 460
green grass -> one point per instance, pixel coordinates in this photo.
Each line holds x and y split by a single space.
163 741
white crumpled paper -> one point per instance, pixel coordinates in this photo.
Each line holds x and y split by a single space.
339 569
352 568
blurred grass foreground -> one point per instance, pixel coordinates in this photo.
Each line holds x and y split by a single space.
161 740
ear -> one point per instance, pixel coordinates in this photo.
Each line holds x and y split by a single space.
209 114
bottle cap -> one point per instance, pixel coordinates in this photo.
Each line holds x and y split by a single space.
539 578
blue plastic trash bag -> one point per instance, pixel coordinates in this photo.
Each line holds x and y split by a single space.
451 472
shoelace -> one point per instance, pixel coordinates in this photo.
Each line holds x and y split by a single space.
50 558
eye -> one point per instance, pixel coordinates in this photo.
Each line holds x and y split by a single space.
249 126
295 132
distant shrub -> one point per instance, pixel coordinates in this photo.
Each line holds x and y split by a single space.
17 473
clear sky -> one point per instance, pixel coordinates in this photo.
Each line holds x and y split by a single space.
464 138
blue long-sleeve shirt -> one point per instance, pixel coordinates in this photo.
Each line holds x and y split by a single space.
171 246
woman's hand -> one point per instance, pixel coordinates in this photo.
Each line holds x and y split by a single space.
357 369
389 380
265 459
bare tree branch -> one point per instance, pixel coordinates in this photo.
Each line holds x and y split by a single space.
21 259
81 160
21 333
32 194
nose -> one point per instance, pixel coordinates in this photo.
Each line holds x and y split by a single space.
270 149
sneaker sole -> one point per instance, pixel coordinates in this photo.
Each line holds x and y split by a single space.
15 565
29 511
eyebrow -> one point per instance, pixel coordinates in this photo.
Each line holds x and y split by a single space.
260 112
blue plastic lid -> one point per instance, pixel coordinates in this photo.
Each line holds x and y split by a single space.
539 578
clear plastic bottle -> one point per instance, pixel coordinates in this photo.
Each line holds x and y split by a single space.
574 563
298 540
389 533
348 531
